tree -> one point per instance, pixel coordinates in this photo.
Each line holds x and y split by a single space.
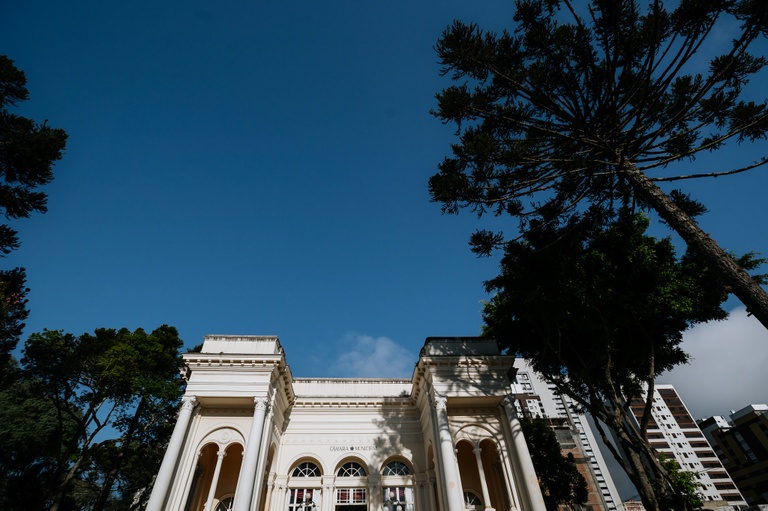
27 153
30 440
599 311
128 382
559 479
582 110
686 495
13 312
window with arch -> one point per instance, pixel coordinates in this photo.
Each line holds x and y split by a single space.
396 468
303 499
304 486
397 486
354 494
472 500
226 504
306 469
351 469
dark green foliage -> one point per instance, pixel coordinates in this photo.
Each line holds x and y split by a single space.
600 312
27 153
575 296
13 311
581 106
113 395
559 479
30 440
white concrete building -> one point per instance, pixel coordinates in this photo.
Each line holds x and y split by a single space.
538 398
251 437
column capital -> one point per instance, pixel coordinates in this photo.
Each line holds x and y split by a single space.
508 402
440 402
188 402
260 402
221 454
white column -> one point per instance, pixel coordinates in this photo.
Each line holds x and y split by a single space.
483 483
266 437
171 458
244 490
448 464
214 481
522 459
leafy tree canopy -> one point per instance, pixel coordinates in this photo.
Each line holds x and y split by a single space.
121 381
581 107
559 478
600 312
28 151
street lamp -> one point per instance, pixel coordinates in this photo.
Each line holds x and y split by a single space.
393 504
307 503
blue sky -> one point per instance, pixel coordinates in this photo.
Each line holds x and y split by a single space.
260 168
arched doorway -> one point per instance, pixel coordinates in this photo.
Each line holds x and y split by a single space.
216 476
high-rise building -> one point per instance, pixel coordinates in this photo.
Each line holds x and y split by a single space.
674 434
741 443
537 398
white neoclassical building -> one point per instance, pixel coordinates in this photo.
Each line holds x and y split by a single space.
251 437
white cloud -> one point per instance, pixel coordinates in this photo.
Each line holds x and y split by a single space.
728 368
364 356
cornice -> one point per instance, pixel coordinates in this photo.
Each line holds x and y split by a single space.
353 404
218 360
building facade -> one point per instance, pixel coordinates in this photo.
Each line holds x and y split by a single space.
741 443
251 437
536 397
674 434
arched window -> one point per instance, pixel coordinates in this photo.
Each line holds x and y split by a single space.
305 487
351 469
306 469
352 492
397 486
396 468
226 504
472 500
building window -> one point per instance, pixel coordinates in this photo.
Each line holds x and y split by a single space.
351 469
472 501
306 469
398 498
305 492
226 504
396 468
302 499
397 487
350 496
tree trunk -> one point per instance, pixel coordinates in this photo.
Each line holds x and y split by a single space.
751 294
109 480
